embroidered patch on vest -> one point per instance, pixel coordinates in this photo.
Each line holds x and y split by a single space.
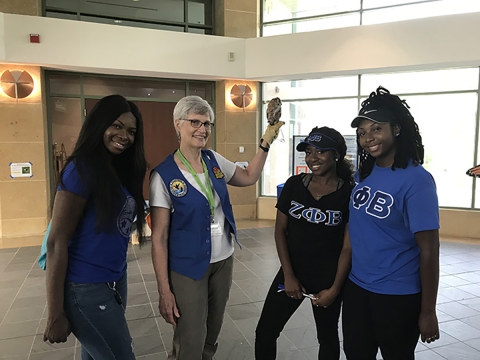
218 173
178 188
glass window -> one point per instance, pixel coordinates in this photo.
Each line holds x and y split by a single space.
199 12
477 193
62 5
329 22
477 180
422 81
204 90
66 117
137 88
171 10
448 134
447 122
280 29
300 118
152 14
274 10
61 15
368 4
421 10
64 84
310 89
324 23
199 31
110 21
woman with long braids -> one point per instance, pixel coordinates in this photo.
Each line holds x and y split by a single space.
312 244
390 295
98 196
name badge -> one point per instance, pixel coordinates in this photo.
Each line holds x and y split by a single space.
216 229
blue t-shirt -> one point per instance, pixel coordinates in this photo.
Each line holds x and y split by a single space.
386 210
97 257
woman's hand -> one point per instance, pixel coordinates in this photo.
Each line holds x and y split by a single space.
271 132
57 329
293 288
168 307
428 324
325 298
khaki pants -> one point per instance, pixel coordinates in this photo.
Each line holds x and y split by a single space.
202 305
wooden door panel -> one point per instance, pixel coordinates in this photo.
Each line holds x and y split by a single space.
159 133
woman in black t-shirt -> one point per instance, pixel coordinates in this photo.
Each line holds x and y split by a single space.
313 245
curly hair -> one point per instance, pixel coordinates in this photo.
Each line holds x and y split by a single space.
344 166
409 147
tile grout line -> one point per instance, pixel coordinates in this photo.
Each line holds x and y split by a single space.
150 300
20 288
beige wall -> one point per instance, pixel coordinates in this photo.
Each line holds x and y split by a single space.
23 138
21 7
237 18
238 127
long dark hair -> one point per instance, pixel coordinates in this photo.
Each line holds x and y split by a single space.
103 176
344 166
408 143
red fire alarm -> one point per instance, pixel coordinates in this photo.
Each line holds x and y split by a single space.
35 38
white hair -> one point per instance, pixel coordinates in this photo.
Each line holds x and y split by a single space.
191 105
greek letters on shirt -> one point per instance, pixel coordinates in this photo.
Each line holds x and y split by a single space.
377 204
314 215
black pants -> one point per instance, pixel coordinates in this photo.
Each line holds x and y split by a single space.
371 321
278 309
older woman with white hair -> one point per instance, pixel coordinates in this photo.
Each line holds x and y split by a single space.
193 229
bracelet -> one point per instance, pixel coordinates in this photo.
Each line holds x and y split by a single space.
263 148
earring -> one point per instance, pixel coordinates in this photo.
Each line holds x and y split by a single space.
397 134
336 159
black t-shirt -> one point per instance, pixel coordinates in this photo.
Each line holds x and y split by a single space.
315 231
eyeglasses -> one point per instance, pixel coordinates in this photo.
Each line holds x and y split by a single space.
197 124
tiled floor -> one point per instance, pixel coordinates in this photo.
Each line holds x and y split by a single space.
22 306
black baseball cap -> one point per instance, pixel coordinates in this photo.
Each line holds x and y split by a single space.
318 140
373 113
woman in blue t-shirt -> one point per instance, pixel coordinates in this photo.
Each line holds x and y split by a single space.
391 293
98 196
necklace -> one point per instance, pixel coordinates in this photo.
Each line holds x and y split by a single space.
316 195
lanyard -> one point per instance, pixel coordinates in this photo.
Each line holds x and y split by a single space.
207 189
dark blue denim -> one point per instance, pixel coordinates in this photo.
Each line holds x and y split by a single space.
98 320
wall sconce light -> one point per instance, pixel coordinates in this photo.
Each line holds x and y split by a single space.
17 84
241 95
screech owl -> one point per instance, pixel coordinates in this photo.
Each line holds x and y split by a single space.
274 111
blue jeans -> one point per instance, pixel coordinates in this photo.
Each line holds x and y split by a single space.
96 313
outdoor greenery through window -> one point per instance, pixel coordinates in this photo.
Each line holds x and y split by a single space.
296 16
443 102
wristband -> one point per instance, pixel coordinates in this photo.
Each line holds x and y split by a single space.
263 148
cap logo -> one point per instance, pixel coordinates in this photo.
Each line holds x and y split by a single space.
314 138
369 111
